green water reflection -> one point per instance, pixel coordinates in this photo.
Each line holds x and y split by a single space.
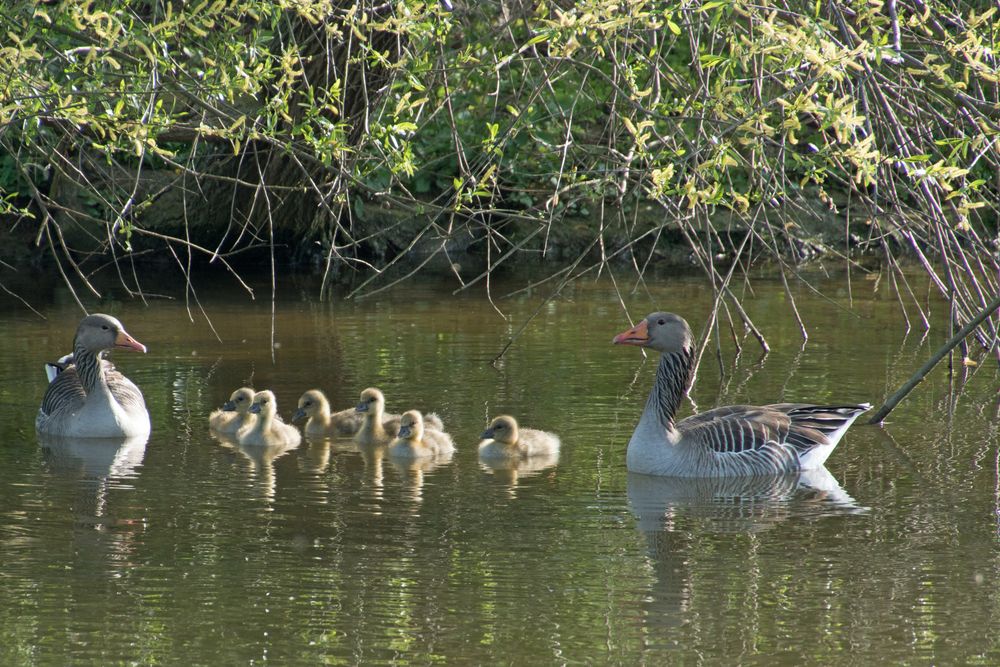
188 549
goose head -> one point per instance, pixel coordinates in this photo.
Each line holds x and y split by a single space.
99 332
503 429
372 400
313 403
240 401
411 425
264 404
664 332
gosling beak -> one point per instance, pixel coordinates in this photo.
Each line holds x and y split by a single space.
255 409
229 406
362 407
299 414
487 434
126 342
405 431
637 335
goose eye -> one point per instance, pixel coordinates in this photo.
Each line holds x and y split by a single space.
661 321
104 326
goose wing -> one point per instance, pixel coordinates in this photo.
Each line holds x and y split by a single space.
65 393
744 428
122 389
826 419
736 429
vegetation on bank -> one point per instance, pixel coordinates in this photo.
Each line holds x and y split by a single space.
363 132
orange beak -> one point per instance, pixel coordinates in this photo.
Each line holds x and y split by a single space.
637 335
126 342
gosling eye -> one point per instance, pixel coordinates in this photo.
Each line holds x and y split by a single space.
104 326
661 321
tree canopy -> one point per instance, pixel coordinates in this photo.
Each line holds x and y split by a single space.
588 129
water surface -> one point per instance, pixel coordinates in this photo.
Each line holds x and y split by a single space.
185 549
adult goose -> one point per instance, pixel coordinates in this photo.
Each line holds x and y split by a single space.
728 441
86 396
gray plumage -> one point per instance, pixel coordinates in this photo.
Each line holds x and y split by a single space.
87 396
728 441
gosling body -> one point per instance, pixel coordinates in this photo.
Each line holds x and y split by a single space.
414 441
504 439
268 430
234 413
321 422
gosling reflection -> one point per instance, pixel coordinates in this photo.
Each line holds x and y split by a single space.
374 458
261 459
412 470
512 471
315 458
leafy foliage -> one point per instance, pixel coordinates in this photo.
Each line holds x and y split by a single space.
216 125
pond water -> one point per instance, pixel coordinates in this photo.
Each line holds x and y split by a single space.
185 549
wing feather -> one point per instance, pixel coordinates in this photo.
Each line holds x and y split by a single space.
739 429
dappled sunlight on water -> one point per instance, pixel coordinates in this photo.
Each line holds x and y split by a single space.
192 548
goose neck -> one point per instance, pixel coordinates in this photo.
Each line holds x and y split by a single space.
673 379
89 368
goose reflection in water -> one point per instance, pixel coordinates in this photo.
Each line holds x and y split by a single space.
94 458
102 532
675 513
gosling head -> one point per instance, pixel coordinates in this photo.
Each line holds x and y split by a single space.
240 401
312 403
411 425
372 401
503 429
664 332
264 404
